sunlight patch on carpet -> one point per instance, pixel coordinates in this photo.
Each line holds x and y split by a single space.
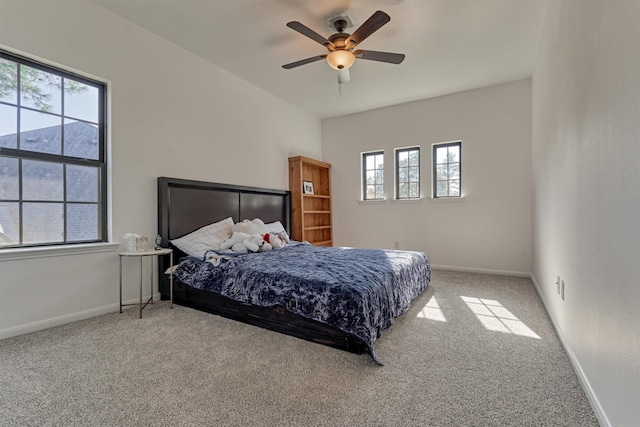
495 317
432 311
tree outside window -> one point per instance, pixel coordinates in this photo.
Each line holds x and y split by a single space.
373 175
408 173
447 166
52 155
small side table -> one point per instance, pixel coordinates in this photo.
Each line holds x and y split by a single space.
149 253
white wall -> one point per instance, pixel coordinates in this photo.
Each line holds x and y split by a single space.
586 208
172 114
490 228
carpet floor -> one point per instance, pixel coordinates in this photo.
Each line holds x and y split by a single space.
473 350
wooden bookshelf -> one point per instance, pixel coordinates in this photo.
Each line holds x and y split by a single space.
310 213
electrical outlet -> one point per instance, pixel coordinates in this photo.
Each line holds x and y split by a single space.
396 245
562 289
558 284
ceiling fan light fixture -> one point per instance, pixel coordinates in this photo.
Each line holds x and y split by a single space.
340 59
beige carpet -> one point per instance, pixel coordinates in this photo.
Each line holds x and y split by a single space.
474 350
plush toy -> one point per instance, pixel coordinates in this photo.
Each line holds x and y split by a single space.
242 242
250 227
285 237
266 246
235 242
256 243
274 240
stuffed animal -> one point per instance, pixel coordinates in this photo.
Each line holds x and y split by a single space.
274 240
235 242
285 237
250 227
266 246
256 243
242 242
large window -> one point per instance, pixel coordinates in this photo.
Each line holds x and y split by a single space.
373 175
447 169
52 156
408 173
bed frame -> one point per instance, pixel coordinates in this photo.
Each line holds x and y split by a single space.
185 206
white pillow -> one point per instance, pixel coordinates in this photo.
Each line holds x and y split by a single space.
203 239
274 227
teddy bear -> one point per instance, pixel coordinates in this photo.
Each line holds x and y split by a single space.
265 246
285 237
250 227
256 243
241 242
274 240
235 242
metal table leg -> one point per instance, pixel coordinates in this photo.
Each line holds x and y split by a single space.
140 287
120 283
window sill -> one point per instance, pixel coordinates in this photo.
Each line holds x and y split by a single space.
414 200
446 199
371 202
55 251
417 200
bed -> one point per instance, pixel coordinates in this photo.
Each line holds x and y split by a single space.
300 290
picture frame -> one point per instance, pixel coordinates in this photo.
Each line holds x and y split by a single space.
307 187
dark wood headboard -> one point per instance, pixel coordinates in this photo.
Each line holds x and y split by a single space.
185 206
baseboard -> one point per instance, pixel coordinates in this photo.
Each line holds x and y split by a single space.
584 381
481 270
67 318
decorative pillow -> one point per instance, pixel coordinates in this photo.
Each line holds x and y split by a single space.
203 239
274 227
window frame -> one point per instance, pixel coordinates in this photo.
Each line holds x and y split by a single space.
434 165
363 170
397 152
60 159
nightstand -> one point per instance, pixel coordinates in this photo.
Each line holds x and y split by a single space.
150 254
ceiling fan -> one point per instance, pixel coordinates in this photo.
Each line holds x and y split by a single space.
340 45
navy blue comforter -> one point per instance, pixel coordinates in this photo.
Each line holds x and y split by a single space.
359 291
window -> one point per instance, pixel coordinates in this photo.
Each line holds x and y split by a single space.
52 156
408 173
373 176
447 162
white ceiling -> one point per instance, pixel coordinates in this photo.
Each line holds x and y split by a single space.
450 45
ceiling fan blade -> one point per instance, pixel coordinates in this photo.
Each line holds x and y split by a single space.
304 61
393 58
371 25
306 31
